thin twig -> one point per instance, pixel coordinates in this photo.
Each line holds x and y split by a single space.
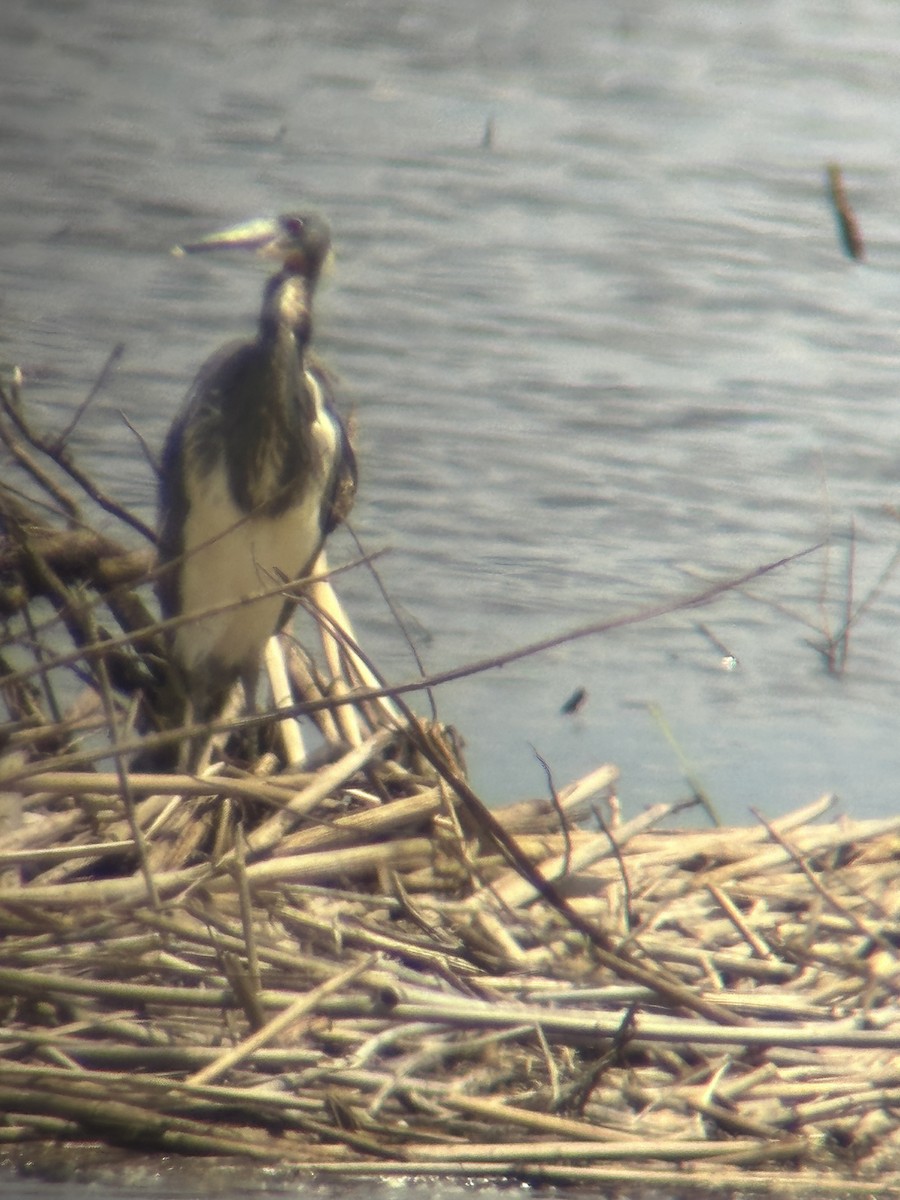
563 822
395 614
99 383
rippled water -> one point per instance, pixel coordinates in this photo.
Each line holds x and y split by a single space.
589 310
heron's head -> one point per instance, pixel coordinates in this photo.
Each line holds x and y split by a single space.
301 242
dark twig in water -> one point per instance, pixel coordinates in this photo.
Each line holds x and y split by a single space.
575 702
844 635
848 226
728 660
105 371
852 614
395 614
151 459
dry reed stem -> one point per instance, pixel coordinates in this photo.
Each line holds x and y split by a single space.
280 1024
327 780
513 891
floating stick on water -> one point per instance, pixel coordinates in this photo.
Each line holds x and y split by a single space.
848 226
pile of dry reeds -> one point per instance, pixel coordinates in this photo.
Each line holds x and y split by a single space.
356 968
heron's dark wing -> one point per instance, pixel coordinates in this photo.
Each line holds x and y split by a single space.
194 441
343 490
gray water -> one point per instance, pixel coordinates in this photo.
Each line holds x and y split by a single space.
590 312
610 356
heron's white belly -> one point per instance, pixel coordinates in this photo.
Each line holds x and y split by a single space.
230 559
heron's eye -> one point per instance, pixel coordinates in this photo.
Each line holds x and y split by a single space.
293 226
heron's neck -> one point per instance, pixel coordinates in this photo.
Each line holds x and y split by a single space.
288 309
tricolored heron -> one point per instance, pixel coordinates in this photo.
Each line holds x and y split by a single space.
256 471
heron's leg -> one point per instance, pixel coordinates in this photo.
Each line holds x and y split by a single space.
329 602
282 697
219 706
197 751
347 665
323 597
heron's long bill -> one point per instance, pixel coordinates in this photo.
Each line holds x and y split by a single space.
252 235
